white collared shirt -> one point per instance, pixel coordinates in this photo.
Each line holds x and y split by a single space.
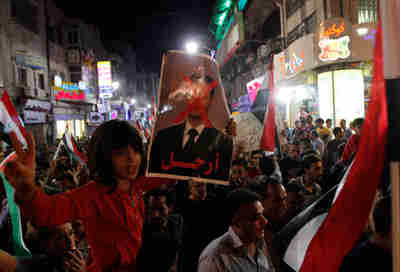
186 135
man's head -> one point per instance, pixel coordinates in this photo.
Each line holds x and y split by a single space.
313 168
339 133
343 123
255 158
358 123
297 124
157 210
274 200
305 144
319 122
246 215
197 190
314 135
57 241
268 165
239 171
329 123
293 151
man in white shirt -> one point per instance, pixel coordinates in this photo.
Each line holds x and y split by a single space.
242 247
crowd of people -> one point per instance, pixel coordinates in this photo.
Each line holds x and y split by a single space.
70 223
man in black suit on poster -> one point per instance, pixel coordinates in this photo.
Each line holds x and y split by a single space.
193 148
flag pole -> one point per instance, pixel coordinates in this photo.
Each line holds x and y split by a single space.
395 178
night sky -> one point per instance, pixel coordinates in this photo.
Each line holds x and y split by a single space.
152 27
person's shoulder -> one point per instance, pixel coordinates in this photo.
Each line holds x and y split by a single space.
171 130
216 247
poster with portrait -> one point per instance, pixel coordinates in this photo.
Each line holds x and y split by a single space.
188 138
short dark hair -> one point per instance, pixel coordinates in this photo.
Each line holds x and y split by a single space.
240 162
109 136
237 198
267 165
337 130
293 188
319 120
309 160
262 188
329 119
382 215
358 122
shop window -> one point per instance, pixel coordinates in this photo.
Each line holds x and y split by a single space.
22 77
368 11
341 95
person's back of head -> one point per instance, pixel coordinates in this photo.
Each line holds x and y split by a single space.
309 160
267 165
338 132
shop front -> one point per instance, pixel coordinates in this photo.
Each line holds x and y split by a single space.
35 117
70 109
344 69
327 74
295 81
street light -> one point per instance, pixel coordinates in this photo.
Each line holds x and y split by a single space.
192 47
115 85
133 101
148 106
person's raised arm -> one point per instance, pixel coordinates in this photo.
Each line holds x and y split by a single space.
21 172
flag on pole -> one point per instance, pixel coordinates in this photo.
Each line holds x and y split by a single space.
322 242
20 248
9 118
268 137
72 147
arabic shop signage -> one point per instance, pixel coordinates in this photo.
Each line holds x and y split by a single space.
299 57
334 40
68 91
30 61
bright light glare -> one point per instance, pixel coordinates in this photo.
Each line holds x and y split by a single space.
284 95
362 31
301 93
148 106
133 101
192 47
115 85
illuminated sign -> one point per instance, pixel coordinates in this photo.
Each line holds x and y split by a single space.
332 31
105 77
68 91
334 49
293 64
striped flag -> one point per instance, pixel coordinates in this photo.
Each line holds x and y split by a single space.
269 133
328 235
72 148
9 118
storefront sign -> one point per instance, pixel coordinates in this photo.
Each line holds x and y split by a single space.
33 62
105 78
37 105
363 42
292 64
299 57
334 49
334 40
34 117
68 91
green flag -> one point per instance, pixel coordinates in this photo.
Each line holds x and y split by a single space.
19 245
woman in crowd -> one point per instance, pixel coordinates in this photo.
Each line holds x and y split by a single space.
110 206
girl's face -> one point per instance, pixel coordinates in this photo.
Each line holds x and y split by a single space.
126 163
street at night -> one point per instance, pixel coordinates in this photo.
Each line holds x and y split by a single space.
204 136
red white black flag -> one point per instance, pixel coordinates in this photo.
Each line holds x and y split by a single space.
335 222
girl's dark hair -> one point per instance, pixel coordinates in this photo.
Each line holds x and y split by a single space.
109 136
